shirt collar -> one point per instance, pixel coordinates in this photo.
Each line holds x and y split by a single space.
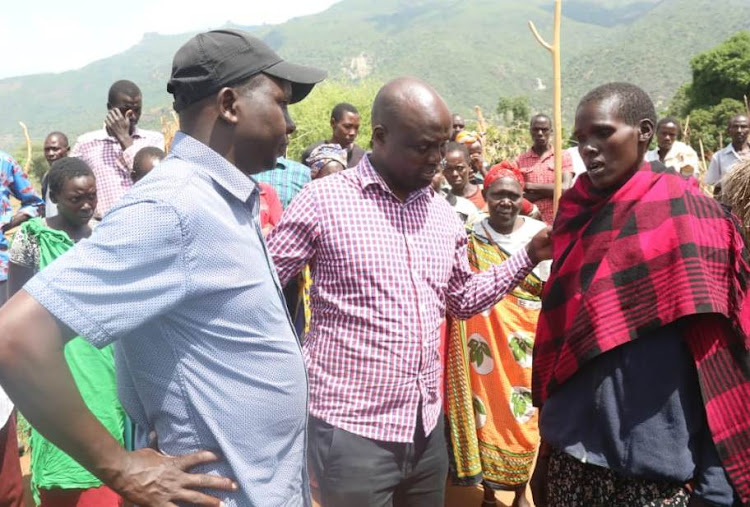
369 177
217 167
730 149
104 135
544 156
282 163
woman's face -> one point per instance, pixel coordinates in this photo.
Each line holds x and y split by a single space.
76 201
456 170
504 198
611 148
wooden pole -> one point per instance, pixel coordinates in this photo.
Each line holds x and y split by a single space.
482 126
554 48
702 170
27 164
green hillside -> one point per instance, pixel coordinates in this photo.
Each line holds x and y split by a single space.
472 52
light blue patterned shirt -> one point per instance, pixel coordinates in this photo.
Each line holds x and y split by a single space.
179 275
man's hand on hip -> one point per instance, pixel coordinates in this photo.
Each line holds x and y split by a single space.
149 478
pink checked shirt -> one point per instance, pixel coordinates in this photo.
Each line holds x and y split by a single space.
112 165
538 169
384 272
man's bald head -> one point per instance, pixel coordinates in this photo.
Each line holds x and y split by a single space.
411 125
402 96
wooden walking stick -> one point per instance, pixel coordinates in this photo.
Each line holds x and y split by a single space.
554 48
27 164
482 128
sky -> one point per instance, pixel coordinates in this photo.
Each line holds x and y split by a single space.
54 36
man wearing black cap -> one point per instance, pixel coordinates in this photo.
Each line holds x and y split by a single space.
206 354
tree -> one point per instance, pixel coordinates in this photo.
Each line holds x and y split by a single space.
721 80
721 72
710 124
514 110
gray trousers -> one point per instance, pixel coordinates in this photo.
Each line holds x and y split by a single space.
356 471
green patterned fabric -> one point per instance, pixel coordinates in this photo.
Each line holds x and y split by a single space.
94 373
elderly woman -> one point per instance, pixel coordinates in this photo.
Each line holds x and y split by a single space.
326 159
493 424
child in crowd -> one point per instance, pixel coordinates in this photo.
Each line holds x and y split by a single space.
145 160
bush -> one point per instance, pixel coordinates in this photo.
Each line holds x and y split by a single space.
38 166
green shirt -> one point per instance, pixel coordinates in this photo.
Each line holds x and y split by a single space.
36 246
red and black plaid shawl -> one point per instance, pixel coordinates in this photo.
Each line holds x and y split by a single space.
626 263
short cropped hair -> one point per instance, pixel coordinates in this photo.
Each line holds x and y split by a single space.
65 169
667 120
125 87
454 146
59 134
539 116
633 104
147 152
737 117
340 109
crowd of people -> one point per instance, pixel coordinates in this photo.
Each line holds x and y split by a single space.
220 325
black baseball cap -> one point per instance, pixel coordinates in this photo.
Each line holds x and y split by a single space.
212 60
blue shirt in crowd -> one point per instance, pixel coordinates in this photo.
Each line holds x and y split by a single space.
287 178
721 164
14 183
178 275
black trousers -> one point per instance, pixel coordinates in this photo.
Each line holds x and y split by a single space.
354 471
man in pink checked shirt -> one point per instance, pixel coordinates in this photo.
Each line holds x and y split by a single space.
110 151
388 259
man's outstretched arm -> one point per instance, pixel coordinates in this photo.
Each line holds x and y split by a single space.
35 375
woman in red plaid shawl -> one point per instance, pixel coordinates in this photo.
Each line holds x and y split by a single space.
641 356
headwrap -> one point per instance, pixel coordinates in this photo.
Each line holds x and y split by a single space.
504 169
653 252
323 154
467 137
